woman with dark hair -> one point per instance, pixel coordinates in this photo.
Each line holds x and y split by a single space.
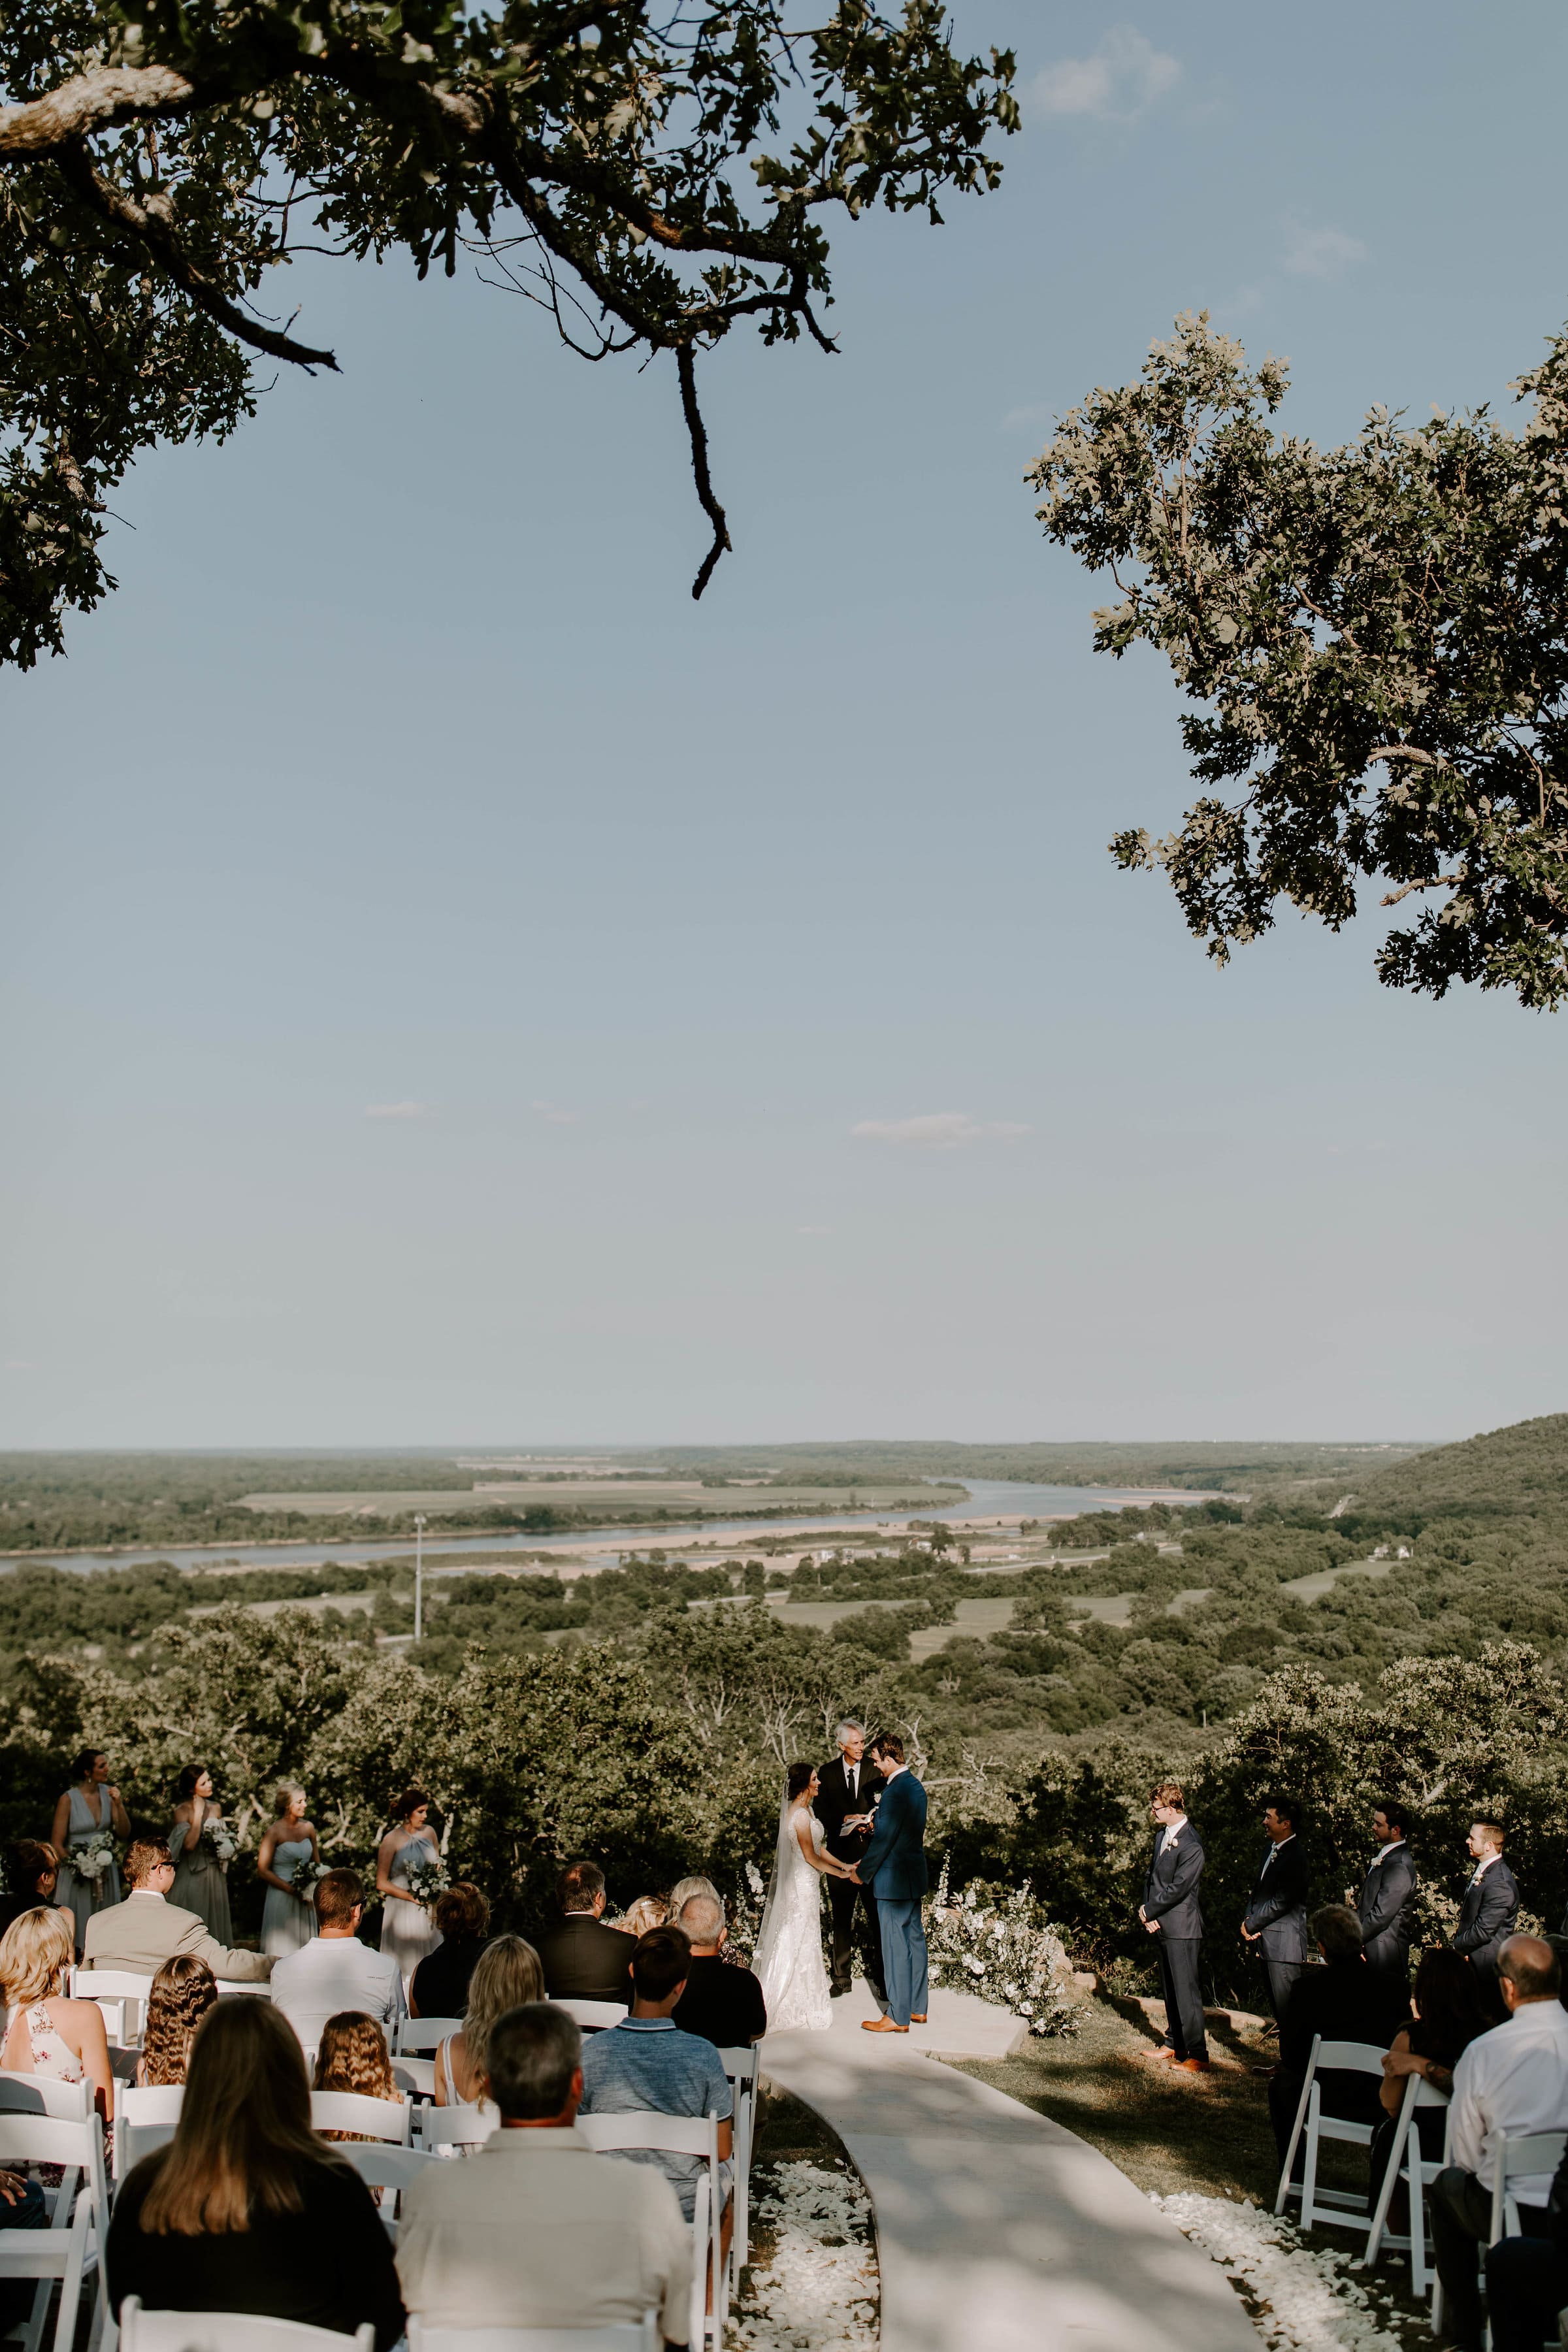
201 1845
440 1985
184 1989
788 1961
1449 2015
32 1873
407 1930
89 1814
246 2209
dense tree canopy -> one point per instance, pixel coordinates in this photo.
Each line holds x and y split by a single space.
1376 638
651 173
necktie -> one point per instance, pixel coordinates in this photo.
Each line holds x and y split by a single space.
854 1780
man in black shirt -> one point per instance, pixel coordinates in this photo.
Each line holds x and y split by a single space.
584 1960
722 2003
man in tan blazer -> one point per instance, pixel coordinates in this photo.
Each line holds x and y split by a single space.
145 1930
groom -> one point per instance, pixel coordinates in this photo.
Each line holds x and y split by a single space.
894 1866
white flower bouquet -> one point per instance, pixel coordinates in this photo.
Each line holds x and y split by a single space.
996 1942
95 1859
427 1880
216 1828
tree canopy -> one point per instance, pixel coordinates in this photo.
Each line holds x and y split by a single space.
1377 640
652 175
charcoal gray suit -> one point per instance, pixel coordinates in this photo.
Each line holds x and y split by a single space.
1485 1920
1170 1897
1385 1907
1277 1916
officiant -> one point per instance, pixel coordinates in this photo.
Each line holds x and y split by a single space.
849 1789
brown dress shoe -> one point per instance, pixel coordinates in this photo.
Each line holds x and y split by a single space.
916 2017
881 2025
1194 2065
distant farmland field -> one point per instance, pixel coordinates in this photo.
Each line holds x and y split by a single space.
613 1497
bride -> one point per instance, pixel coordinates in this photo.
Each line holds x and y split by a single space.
789 1945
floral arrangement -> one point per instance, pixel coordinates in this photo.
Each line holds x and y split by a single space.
305 1876
427 1879
94 1859
744 1912
216 1828
995 1941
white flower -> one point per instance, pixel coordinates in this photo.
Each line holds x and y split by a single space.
753 1878
1307 2305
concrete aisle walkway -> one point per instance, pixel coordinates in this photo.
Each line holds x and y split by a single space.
997 2230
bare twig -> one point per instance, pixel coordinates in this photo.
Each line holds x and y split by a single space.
687 369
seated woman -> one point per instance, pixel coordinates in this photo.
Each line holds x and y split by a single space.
32 1872
440 1985
1450 2014
352 2055
508 1975
647 1911
246 2209
184 1989
46 2033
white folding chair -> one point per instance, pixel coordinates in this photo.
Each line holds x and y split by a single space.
386 2170
44 2094
459 2127
1417 2171
415 2076
592 2016
680 2136
350 2111
260 1987
143 2120
1344 2209
633 2337
228 2331
412 2034
71 2248
1516 2154
741 2065
121 1994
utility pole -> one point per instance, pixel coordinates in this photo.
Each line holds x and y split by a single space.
418 1576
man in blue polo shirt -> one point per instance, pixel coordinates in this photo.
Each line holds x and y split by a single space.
647 2062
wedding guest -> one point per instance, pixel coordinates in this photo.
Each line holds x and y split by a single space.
246 2209
334 1970
440 1985
286 1865
647 2062
407 1930
583 1958
147 1929
184 1989
1344 2001
1386 1903
1489 1910
1276 1920
352 2055
89 1809
685 1888
848 1789
508 1977
647 1911
536 2230
33 1871
46 2033
1172 1914
201 1873
724 2005
1514 2079
1450 2014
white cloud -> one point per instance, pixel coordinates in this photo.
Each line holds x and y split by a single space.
552 1114
935 1130
1325 253
397 1110
1117 82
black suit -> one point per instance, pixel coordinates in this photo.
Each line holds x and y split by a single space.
1277 1915
1486 1921
833 1799
1345 2000
722 2004
586 1961
1386 1909
1170 1897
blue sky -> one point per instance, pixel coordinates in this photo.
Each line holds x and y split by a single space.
445 970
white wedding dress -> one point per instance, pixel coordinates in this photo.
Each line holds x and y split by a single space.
789 1958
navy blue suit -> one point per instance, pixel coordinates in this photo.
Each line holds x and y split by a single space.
894 1866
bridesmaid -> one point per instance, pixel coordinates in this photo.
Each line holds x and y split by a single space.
407 1930
201 1879
288 1848
88 1808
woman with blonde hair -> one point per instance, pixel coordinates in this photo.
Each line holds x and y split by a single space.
46 2033
184 1989
508 1975
648 1911
286 1865
246 2211
352 2055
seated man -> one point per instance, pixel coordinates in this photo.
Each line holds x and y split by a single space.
1344 2001
1514 2079
536 2230
722 2004
334 1970
584 1960
647 2062
146 1929
1527 2278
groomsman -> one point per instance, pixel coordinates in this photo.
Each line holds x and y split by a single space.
1489 1908
1275 1919
1171 1911
847 1790
1386 1904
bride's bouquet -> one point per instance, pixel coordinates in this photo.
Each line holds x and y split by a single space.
427 1880
216 1828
